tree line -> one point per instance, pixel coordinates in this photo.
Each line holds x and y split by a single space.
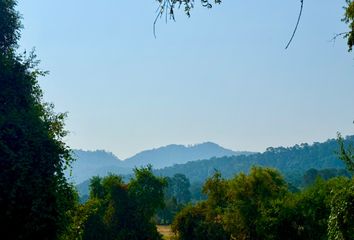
261 206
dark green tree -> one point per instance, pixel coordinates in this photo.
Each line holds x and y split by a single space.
349 19
179 186
346 153
177 195
193 223
119 211
34 195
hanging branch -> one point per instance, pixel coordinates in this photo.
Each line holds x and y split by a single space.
167 7
297 24
343 34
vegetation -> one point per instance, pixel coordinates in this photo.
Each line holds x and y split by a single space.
36 201
34 195
116 210
293 162
349 19
260 206
177 194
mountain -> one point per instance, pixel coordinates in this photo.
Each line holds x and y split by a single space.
92 163
293 162
100 162
179 154
290 161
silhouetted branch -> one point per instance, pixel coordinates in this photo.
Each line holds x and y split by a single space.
297 24
344 34
167 7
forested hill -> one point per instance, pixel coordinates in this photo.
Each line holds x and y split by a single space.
100 162
298 158
179 154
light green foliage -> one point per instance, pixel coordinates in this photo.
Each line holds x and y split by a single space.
260 206
349 19
341 219
248 197
216 189
234 208
147 191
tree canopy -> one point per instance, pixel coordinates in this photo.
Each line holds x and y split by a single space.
118 210
34 194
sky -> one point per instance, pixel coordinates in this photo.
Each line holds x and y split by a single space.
221 75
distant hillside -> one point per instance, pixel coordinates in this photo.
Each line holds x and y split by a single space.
91 163
293 162
298 158
179 154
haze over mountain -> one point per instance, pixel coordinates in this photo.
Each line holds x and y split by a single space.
293 162
100 162
91 163
289 160
178 154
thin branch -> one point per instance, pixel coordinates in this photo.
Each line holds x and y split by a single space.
338 35
167 7
297 24
160 10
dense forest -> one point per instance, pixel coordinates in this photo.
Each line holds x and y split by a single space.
100 162
290 161
241 197
260 206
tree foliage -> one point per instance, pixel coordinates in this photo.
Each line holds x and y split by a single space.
341 219
34 195
346 153
349 19
119 211
260 206
176 196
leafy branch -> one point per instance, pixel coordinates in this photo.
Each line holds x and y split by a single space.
167 8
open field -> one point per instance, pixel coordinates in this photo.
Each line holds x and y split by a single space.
166 231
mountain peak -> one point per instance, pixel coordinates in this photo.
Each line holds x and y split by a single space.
176 154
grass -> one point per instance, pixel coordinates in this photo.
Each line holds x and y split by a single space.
166 232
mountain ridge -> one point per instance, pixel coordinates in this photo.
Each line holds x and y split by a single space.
178 154
101 162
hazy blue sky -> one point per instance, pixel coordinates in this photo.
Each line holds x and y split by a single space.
222 75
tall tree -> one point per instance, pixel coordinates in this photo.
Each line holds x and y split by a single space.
349 19
34 194
119 211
